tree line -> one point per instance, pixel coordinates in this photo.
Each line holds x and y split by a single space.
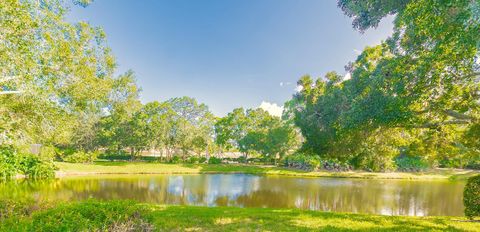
412 101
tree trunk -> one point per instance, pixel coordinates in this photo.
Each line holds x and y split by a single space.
161 155
168 154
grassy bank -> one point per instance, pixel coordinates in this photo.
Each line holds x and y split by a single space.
70 169
129 216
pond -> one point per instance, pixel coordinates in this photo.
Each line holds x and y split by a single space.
387 197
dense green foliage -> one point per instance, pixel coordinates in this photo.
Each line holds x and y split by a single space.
256 132
8 164
177 126
86 216
79 156
415 95
214 160
56 83
129 216
305 162
411 163
314 162
32 166
55 77
471 197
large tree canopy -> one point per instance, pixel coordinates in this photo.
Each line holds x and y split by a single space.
430 63
255 131
418 90
53 74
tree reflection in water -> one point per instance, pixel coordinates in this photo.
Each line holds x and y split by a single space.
388 197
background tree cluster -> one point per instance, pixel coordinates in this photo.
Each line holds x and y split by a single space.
255 131
176 126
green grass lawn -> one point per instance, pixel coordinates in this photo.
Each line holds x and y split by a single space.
69 169
129 216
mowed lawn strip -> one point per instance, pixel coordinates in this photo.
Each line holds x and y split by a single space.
70 169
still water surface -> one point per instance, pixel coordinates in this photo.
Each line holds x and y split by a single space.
388 197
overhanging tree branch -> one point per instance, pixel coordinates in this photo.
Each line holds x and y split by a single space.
5 79
433 125
9 92
451 113
458 115
474 74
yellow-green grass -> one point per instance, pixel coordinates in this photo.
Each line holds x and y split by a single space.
266 219
70 169
129 216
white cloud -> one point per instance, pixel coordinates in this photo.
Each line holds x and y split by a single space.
272 108
285 83
298 88
358 52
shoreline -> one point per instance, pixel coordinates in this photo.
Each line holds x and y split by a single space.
131 168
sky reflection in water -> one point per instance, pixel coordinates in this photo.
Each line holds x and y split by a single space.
388 197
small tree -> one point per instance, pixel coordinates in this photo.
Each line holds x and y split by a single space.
471 197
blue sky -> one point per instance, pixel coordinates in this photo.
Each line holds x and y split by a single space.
227 53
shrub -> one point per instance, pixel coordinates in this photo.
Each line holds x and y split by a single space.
202 160
48 152
32 166
302 161
472 159
11 207
407 163
81 157
314 162
241 159
471 197
192 160
35 168
175 159
451 162
254 160
267 160
114 155
473 165
8 164
41 170
148 158
214 160
335 165
373 162
92 216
